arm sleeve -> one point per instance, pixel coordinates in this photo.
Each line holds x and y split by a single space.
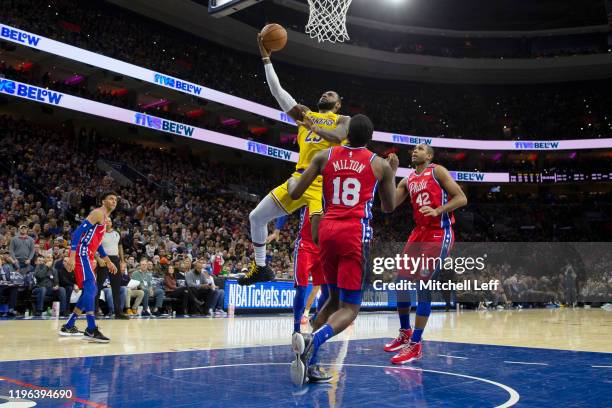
78 233
102 252
283 98
280 222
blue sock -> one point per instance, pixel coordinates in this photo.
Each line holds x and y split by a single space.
319 337
91 321
416 335
322 335
72 320
299 304
404 321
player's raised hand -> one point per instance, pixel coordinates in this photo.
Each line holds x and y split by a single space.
393 161
308 123
428 211
265 53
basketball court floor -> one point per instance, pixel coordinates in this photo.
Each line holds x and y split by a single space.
529 358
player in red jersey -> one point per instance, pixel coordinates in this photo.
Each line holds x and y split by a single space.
434 195
86 240
306 263
351 175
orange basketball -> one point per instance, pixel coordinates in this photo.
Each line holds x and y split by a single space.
274 37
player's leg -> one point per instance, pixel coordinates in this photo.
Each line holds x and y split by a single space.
301 262
321 301
311 298
404 303
69 329
403 311
343 304
267 210
90 289
432 250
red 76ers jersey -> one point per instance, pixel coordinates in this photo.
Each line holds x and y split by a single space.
425 190
349 186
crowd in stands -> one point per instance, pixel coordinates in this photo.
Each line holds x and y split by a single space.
184 213
465 46
537 112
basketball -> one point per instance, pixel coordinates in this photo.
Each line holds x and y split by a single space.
274 37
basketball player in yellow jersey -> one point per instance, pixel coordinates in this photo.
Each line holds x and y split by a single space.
317 131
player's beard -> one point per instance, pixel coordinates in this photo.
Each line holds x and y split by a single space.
327 106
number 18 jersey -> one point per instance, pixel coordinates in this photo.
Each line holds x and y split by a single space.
425 190
349 186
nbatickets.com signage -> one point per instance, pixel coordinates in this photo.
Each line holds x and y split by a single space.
280 294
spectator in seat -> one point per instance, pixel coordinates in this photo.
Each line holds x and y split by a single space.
138 294
8 287
108 296
174 290
145 277
197 285
66 279
218 297
47 283
22 247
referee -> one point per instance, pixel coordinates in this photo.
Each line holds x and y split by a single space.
114 250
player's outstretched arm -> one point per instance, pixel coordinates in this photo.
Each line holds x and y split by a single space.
297 186
387 184
284 99
452 188
336 135
401 192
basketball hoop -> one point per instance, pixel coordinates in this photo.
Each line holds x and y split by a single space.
327 21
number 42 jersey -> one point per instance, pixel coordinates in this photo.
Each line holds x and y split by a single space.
425 190
349 186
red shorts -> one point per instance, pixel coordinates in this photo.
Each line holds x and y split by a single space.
83 270
306 263
432 246
343 253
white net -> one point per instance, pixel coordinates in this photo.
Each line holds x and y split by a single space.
327 21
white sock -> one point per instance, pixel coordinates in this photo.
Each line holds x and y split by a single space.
260 255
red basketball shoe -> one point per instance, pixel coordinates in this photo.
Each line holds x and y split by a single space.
409 353
400 341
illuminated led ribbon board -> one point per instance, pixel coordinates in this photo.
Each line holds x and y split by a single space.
49 97
48 45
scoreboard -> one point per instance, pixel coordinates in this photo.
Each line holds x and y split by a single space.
222 8
558 177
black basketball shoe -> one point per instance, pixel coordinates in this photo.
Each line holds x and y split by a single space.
72 331
316 374
257 274
95 336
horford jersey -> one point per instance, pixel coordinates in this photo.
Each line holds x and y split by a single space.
425 190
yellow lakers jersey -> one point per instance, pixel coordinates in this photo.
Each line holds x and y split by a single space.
309 142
